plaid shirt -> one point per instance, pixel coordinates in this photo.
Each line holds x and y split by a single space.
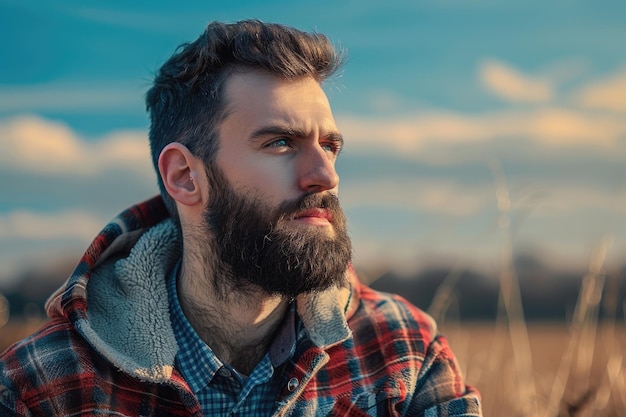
366 353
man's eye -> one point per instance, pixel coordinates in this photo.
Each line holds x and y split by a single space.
278 143
333 147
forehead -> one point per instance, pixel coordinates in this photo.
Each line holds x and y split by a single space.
255 98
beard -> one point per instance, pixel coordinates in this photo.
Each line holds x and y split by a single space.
259 247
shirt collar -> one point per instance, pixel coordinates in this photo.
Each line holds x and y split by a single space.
284 344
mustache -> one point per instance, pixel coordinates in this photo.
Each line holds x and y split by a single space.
290 209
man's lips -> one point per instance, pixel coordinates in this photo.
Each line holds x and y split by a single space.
315 215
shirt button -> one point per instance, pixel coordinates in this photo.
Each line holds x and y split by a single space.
225 372
293 384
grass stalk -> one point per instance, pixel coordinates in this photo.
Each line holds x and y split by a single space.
587 298
510 299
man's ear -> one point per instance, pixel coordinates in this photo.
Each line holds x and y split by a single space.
182 174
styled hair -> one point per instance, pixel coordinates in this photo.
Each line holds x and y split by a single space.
186 102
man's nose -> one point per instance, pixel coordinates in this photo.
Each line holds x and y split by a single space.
317 170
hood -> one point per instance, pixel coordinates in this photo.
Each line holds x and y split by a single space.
106 299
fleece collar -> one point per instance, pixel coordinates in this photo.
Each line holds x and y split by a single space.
117 296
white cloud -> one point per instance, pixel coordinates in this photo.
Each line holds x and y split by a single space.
553 128
605 94
450 199
431 196
30 225
41 146
510 84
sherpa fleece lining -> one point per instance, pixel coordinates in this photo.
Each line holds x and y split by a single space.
128 309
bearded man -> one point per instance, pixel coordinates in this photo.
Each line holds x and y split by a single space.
233 293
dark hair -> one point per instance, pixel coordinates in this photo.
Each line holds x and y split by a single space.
186 102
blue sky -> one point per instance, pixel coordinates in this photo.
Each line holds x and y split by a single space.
436 97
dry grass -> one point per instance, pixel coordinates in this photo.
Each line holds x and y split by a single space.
595 391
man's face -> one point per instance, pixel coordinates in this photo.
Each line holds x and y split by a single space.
273 205
280 141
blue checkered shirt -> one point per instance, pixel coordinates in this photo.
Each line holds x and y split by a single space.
220 389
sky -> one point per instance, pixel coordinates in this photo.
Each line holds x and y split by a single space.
457 115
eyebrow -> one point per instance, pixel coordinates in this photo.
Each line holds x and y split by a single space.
291 131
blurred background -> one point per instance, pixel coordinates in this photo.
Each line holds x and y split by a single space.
483 174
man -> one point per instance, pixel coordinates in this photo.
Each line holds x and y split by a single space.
232 293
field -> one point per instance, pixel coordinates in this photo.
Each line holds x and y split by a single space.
575 371
571 375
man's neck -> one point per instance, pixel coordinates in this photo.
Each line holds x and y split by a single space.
239 326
